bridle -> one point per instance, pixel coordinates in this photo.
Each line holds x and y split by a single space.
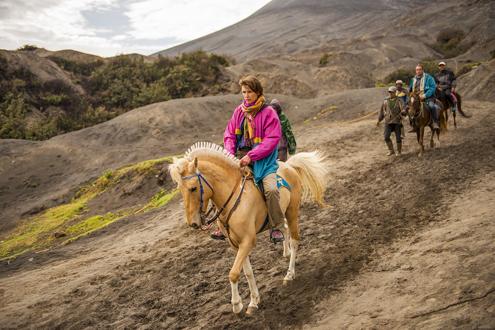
415 98
205 221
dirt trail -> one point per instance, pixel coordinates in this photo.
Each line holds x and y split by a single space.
151 273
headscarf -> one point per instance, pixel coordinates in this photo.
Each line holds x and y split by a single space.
250 111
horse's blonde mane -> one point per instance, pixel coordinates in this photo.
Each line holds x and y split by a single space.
201 149
209 149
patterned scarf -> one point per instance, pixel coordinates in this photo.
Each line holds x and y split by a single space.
250 111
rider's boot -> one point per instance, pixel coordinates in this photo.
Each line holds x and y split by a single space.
436 119
217 234
399 149
390 146
454 107
276 235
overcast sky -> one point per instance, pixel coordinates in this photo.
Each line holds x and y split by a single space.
111 27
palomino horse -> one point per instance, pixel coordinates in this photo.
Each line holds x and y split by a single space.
209 173
447 104
420 117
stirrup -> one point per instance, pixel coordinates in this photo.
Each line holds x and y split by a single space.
277 232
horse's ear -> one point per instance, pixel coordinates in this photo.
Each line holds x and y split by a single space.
195 163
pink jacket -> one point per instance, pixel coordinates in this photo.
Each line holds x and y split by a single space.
267 133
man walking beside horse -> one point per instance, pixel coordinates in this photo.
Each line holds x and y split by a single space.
392 111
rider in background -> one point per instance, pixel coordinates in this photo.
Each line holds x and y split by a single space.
401 92
288 141
446 83
424 85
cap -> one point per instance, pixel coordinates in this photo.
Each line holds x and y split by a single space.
442 63
399 82
392 89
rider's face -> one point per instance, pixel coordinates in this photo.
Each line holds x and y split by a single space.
419 71
248 94
441 67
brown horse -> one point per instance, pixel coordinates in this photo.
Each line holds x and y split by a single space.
447 104
210 173
420 117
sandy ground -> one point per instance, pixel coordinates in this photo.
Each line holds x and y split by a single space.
406 243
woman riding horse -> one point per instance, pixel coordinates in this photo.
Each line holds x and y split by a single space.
253 134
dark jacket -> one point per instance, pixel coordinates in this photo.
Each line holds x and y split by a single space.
445 79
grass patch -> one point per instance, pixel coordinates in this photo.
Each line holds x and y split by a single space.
94 223
159 199
467 68
38 232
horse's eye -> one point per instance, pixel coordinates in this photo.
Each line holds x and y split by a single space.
193 189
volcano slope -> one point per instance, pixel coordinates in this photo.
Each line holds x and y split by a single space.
404 242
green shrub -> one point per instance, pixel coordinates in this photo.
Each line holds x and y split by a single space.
112 87
400 74
324 59
449 43
27 48
467 68
430 65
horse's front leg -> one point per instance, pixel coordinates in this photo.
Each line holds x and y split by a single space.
420 141
453 115
255 295
235 272
432 141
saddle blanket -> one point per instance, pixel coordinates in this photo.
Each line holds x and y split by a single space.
281 182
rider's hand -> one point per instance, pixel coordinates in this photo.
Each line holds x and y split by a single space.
422 97
246 160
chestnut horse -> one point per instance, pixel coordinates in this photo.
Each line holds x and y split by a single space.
420 117
209 173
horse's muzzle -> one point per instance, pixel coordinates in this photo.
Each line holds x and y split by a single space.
195 225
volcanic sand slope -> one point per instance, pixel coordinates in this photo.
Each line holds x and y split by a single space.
363 41
153 271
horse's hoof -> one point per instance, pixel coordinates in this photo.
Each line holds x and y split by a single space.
288 278
251 310
237 308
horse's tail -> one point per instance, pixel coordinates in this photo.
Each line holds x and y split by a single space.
459 106
313 173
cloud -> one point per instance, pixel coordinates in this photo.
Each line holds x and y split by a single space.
110 27
187 19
